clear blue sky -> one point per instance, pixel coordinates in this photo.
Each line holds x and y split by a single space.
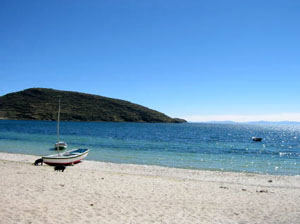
187 58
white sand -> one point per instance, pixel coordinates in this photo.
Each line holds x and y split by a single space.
95 192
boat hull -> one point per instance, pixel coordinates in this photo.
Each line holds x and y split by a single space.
67 158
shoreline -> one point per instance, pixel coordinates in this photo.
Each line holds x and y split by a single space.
98 192
34 157
169 172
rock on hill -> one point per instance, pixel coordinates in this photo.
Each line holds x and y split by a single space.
42 104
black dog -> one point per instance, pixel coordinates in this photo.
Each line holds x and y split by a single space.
59 168
39 161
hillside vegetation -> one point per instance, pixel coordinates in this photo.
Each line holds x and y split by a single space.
42 104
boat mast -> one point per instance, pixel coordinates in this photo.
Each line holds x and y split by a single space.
58 117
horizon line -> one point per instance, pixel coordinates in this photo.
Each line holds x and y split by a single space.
280 117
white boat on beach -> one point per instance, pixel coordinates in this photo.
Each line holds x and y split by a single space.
66 158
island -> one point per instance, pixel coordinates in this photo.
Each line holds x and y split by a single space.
42 104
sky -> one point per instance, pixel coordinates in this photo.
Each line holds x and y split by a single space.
194 59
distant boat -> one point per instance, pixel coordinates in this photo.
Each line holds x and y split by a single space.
256 139
66 158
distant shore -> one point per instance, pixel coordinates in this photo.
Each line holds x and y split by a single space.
41 104
97 192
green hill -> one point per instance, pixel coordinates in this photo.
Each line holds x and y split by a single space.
42 104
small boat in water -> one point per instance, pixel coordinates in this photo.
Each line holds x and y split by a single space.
256 139
61 145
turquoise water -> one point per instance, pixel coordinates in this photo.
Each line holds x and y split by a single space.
191 145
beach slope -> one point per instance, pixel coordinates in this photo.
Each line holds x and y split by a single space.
96 192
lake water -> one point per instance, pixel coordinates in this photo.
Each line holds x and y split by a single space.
227 147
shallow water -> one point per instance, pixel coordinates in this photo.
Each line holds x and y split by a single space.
226 147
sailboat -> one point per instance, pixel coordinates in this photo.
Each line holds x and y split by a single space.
59 145
66 158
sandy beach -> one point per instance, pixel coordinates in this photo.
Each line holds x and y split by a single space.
96 192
